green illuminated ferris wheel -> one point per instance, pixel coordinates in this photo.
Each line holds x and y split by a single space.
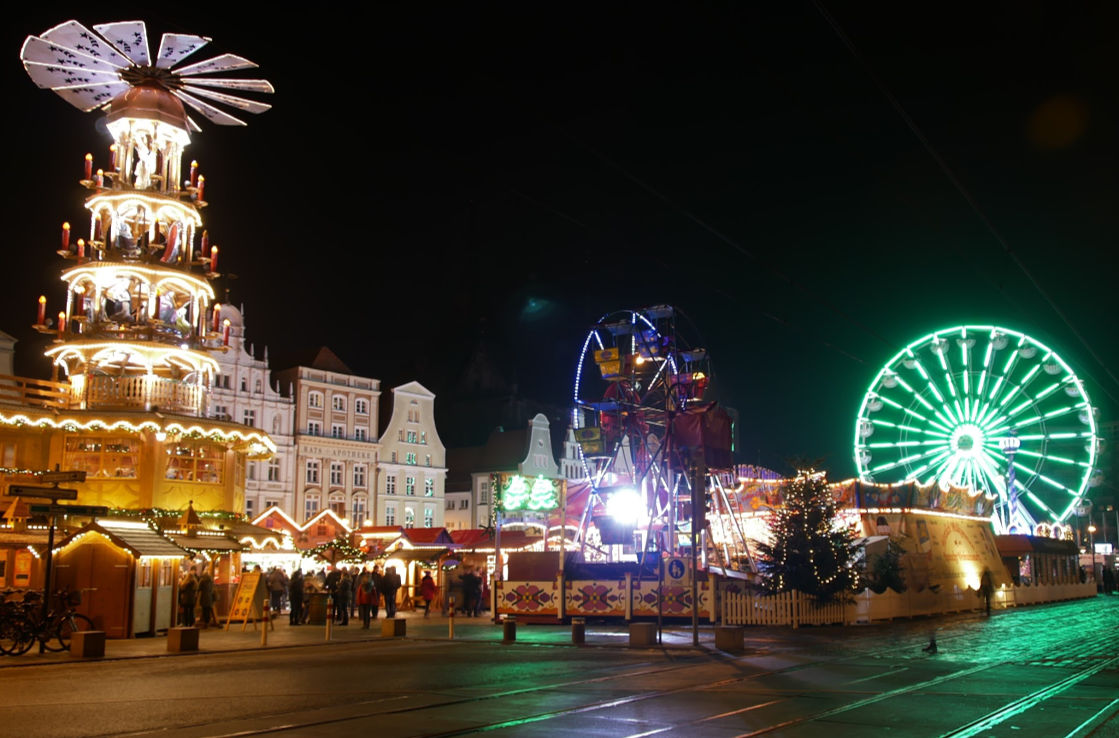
984 407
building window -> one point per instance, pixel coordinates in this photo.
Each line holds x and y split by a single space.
390 484
423 436
251 468
429 488
361 406
409 517
337 469
248 417
464 504
312 471
429 516
338 402
409 485
271 503
410 458
244 385
225 382
427 460
310 507
390 515
314 428
360 434
338 504
221 412
359 510
337 431
359 475
314 399
259 386
411 437
276 423
195 461
98 456
249 509
484 493
392 457
449 505
273 469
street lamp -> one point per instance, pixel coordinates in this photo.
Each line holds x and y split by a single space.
1009 445
1092 545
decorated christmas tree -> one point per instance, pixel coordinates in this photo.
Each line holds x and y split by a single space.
810 551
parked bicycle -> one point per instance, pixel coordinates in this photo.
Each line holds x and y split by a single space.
22 623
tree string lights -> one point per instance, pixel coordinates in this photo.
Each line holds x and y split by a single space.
810 551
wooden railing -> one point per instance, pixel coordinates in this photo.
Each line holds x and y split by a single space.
141 392
34 392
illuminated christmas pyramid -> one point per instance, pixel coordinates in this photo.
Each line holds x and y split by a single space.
140 318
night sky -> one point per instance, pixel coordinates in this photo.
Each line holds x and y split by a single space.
433 181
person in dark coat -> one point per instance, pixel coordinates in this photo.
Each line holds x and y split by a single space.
188 596
295 597
342 598
390 583
378 580
206 598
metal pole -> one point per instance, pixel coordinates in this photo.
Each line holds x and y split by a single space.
47 577
497 558
697 516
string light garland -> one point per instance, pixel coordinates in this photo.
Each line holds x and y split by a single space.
811 549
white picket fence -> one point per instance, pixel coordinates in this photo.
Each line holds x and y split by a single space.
796 608
786 608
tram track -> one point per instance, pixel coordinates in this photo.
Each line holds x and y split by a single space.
386 704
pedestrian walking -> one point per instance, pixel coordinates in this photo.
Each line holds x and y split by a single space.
427 591
986 589
366 596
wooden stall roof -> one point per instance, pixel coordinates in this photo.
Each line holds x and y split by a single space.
1020 545
136 539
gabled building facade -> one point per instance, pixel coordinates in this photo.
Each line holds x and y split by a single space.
411 475
528 452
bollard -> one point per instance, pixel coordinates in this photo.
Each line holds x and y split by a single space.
451 621
329 615
267 621
579 630
510 626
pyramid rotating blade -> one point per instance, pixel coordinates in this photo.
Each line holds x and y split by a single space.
52 76
130 38
88 97
212 114
194 127
174 47
75 36
223 63
247 85
41 51
249 106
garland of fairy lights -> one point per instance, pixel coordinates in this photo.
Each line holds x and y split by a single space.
807 539
348 551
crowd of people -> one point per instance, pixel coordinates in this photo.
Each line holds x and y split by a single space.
355 592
